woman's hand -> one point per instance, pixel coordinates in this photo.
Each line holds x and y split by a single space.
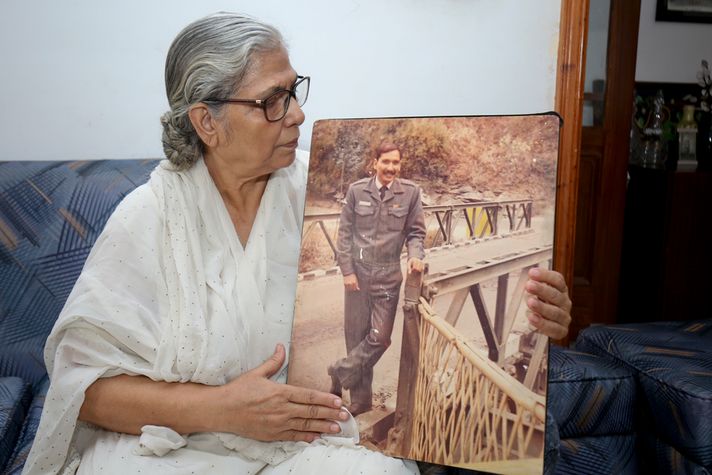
549 303
258 408
251 405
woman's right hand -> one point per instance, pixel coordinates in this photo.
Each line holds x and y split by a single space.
251 406
256 407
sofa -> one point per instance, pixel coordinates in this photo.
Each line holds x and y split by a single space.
50 215
634 398
593 402
625 399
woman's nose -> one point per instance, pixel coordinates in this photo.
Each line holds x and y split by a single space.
295 115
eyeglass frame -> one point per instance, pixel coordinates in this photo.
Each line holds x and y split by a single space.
262 103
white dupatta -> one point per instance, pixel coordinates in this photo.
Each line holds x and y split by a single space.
168 292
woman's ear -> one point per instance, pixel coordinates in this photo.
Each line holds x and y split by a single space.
204 124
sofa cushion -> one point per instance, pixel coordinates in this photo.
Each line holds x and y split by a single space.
673 364
50 215
15 396
589 395
660 458
29 429
604 455
551 444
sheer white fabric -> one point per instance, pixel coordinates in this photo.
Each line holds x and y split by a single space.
168 292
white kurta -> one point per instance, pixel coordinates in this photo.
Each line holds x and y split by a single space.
168 292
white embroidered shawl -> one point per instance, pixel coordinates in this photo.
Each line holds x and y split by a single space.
168 292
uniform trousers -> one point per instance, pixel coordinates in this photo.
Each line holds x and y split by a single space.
369 315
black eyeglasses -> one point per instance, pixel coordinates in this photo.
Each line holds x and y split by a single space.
276 105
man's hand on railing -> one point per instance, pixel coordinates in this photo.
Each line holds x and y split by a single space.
415 265
549 303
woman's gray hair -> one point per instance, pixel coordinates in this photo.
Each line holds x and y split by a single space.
208 60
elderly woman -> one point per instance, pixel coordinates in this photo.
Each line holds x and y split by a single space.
178 322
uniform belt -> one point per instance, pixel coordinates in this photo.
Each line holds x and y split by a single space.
373 264
364 256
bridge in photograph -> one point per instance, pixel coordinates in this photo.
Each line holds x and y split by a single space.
445 224
456 403
462 354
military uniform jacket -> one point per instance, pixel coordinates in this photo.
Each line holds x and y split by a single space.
374 231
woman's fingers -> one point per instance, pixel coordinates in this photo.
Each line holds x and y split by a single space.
312 411
310 397
319 426
549 294
265 410
549 304
549 319
547 327
550 277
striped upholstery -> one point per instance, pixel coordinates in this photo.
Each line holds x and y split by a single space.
593 402
673 365
14 398
551 444
50 215
605 455
664 459
589 395
29 429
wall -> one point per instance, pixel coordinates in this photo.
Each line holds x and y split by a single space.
83 79
670 52
597 45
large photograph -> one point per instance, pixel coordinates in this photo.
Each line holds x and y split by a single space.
418 237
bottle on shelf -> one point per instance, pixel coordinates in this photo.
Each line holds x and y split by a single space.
687 136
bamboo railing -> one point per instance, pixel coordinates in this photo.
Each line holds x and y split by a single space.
467 409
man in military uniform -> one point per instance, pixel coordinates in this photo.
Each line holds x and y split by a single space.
380 215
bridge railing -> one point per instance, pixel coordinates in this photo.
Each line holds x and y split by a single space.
468 409
456 404
481 219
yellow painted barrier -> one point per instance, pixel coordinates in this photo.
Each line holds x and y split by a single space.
480 223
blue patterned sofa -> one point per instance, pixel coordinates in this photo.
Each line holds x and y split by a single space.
630 399
634 398
50 215
593 402
672 364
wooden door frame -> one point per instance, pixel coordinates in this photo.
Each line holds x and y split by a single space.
570 77
621 52
598 295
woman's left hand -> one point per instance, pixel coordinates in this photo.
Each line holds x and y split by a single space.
549 303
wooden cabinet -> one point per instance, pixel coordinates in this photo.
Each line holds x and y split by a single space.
666 268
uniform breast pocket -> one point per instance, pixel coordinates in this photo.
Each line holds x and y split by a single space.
364 216
396 219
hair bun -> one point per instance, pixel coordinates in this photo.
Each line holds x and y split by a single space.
178 145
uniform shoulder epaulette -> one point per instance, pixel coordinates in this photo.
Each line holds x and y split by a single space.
408 183
361 181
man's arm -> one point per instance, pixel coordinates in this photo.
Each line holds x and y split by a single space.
415 228
344 243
